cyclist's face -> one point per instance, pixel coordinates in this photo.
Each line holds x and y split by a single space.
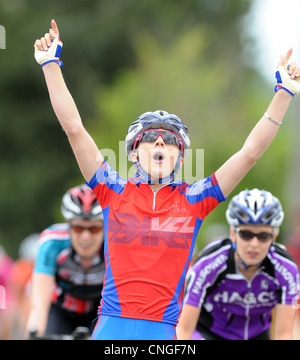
87 237
157 158
252 251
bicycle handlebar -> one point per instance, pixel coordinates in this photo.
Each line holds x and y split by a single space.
80 333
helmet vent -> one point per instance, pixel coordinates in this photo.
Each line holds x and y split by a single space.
78 199
242 215
255 207
268 215
162 113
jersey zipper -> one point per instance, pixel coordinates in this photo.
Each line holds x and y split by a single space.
249 284
246 329
154 196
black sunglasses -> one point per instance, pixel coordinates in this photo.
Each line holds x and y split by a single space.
248 235
151 135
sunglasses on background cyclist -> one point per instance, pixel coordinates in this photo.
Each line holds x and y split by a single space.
92 229
151 136
247 235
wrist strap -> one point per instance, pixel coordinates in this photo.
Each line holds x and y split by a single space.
58 62
279 87
274 121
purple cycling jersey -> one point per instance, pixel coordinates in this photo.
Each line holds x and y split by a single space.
233 307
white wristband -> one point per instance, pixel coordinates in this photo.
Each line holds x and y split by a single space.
274 121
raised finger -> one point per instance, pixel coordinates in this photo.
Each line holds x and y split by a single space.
54 29
285 59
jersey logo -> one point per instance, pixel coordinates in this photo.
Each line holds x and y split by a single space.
249 298
176 232
264 285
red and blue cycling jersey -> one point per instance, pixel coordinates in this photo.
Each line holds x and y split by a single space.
149 241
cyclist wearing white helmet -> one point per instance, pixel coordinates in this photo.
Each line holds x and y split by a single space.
69 268
236 283
152 220
148 128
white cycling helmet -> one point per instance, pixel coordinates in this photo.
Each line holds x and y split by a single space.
80 202
155 120
254 207
29 247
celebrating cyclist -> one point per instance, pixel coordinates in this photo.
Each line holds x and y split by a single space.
152 220
236 282
70 267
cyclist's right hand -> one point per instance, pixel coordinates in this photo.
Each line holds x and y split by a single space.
48 48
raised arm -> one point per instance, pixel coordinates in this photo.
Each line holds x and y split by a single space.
47 51
236 167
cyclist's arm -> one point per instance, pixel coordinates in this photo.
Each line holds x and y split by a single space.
187 322
84 147
284 322
236 167
232 172
42 286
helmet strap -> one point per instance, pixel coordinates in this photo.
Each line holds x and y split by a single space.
241 261
147 178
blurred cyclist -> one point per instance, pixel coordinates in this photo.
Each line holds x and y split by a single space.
236 283
20 281
6 296
69 270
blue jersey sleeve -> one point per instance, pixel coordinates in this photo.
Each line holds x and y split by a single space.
52 242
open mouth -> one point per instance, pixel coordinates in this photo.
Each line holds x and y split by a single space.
158 156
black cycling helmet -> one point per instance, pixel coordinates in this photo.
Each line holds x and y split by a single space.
80 202
254 207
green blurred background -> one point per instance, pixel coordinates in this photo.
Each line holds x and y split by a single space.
122 58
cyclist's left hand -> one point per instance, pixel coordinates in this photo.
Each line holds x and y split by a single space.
288 75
